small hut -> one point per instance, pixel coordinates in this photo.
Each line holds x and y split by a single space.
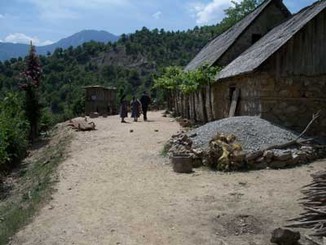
100 99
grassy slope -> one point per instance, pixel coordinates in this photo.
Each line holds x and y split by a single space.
33 184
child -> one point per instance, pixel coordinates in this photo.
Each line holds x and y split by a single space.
135 108
123 108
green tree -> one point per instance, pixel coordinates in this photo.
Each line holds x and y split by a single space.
238 11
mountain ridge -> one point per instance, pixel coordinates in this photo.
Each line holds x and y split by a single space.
15 50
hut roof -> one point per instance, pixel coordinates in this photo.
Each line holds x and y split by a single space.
99 86
218 46
253 57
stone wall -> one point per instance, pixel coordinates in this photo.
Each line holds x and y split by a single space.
293 101
287 101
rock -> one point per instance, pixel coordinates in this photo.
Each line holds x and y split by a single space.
295 159
155 130
261 165
253 155
277 164
131 130
260 160
268 155
307 149
184 138
282 155
285 237
198 151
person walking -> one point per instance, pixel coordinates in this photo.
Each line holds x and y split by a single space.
123 108
135 106
145 100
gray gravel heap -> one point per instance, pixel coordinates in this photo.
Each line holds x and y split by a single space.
253 133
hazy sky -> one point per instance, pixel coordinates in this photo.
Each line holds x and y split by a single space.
47 21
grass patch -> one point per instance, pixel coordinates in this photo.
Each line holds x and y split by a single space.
165 149
33 184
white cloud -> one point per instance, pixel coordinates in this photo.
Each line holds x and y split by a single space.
22 38
157 15
209 13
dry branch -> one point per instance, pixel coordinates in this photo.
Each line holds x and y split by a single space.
296 141
314 204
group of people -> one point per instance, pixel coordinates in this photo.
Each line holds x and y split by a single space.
137 107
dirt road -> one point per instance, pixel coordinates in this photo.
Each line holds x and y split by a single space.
115 188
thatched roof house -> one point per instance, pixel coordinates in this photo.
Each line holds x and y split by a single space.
271 43
228 45
281 77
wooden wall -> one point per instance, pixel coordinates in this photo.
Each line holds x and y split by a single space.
304 54
267 20
101 100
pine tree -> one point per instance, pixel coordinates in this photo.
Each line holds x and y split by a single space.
31 78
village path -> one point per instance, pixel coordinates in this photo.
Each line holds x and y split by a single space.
116 188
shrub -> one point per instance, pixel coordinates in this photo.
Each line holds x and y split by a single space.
13 132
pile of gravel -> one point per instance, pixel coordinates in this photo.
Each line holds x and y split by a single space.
253 133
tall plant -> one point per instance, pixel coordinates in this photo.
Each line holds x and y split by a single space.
31 81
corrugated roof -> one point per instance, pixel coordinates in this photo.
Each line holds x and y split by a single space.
253 57
217 47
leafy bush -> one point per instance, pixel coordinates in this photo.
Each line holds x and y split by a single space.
13 132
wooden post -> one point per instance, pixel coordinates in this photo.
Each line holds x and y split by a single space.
234 103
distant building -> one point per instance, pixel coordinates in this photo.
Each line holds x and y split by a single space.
101 100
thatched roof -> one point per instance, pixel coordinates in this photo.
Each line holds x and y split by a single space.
99 86
218 46
253 57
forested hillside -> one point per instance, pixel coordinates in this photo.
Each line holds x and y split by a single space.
37 92
128 64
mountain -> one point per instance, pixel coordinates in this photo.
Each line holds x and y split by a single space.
12 50
15 50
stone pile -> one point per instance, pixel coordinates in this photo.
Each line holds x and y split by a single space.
179 144
225 152
281 158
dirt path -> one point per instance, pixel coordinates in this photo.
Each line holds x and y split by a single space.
115 188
